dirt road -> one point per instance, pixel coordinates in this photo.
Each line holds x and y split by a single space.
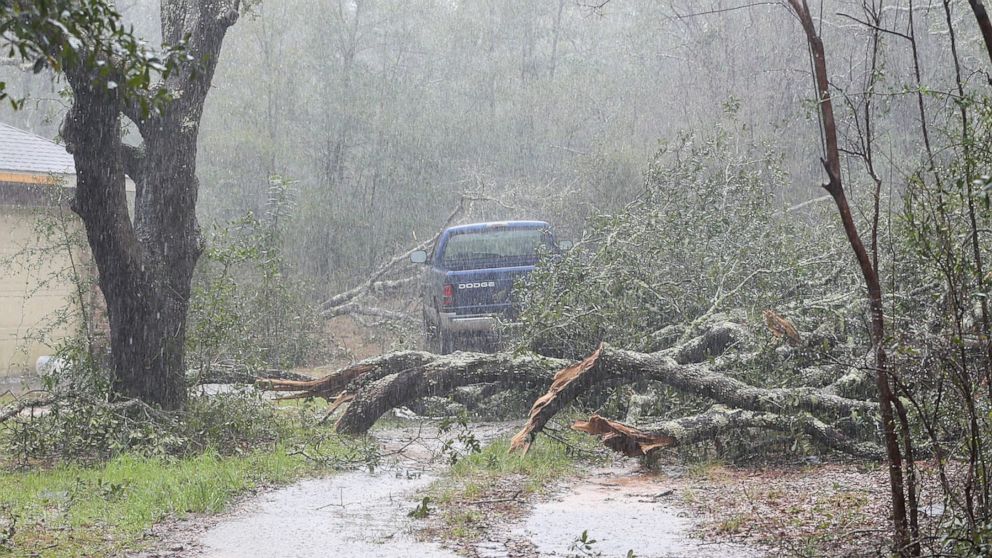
366 514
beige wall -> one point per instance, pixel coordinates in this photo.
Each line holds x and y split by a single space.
26 305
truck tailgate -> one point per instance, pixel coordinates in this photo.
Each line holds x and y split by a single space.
483 291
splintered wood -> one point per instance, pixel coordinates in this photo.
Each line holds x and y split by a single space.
538 418
622 438
781 327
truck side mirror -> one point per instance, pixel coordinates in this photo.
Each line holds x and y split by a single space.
418 256
565 245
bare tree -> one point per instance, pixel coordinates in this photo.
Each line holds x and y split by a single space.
869 270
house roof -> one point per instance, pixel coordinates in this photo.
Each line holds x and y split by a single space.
22 151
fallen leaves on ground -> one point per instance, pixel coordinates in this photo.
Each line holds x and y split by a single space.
832 509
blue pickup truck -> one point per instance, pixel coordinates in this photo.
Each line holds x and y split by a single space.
469 275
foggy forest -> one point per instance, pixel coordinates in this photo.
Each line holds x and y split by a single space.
495 278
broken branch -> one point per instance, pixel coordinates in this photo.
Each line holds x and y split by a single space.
718 420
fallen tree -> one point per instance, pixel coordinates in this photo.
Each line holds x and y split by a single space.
639 441
615 366
379 384
331 307
231 372
374 386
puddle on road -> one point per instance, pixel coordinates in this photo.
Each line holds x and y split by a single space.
357 514
622 511
349 514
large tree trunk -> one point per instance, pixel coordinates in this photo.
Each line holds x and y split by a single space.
146 266
150 350
147 340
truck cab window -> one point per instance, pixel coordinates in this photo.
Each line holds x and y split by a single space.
495 248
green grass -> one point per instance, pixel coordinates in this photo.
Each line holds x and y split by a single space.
706 469
78 504
546 461
732 525
75 510
463 524
494 472
476 474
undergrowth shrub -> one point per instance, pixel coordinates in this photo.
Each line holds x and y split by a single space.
246 306
942 348
706 235
85 428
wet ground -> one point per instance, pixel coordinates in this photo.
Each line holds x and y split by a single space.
351 514
357 513
623 511
366 514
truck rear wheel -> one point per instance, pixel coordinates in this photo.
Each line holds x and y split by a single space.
438 340
431 336
446 342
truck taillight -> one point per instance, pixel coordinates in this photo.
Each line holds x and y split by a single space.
448 295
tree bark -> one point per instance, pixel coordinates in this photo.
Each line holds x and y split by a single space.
438 375
984 25
146 267
233 373
396 379
646 439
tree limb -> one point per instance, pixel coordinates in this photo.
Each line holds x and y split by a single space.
437 375
133 158
233 374
646 439
374 280
17 407
359 310
396 379
383 287
610 365
982 17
